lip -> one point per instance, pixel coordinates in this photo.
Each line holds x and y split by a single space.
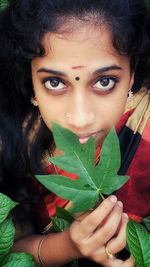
83 138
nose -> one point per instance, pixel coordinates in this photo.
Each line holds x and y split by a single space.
81 111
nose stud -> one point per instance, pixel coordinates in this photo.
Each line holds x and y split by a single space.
67 115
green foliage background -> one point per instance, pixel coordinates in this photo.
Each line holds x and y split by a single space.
3 3
148 2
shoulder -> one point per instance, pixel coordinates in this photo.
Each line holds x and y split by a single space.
137 98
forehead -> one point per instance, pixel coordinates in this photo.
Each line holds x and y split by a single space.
82 47
84 37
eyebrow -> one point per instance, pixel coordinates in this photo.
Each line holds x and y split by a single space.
55 72
105 69
98 71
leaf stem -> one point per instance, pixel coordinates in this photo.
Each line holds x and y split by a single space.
101 195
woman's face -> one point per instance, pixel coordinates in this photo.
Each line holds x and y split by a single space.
82 82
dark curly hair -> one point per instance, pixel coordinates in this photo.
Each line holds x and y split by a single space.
22 26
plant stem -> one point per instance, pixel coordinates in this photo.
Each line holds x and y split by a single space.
101 195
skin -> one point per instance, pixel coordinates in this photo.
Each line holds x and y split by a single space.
92 108
81 239
94 103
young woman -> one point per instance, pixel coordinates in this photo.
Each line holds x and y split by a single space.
74 63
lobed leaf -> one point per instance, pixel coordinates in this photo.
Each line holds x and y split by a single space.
106 171
138 240
79 159
71 190
112 183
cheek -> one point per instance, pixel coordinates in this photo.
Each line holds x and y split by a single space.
118 116
112 112
116 113
51 112
108 120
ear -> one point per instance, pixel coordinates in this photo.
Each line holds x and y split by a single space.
131 80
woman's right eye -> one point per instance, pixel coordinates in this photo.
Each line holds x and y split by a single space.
54 84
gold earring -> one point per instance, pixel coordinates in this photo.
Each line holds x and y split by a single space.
33 101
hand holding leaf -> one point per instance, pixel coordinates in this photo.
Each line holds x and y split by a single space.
92 182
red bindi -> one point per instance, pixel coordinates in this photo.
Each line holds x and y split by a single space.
77 67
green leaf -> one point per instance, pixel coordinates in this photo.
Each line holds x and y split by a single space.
19 260
64 214
146 221
79 159
109 165
7 232
6 205
3 4
71 190
60 224
63 220
138 239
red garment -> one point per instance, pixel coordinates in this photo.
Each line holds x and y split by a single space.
135 194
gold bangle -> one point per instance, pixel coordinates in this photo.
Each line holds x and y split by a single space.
39 251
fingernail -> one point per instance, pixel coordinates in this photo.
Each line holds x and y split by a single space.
120 204
125 215
113 199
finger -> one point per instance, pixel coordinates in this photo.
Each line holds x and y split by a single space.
113 263
99 255
107 231
118 263
93 220
83 215
117 243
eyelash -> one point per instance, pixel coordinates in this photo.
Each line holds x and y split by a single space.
101 79
52 79
106 90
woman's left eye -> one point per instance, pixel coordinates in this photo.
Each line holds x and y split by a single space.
105 83
54 84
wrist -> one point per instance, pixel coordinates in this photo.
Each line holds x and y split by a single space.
57 249
74 251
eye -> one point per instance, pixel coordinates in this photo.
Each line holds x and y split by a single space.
54 84
106 83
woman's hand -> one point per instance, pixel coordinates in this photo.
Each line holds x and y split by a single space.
93 235
96 235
